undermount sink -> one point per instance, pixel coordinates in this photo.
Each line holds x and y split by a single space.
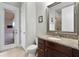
53 38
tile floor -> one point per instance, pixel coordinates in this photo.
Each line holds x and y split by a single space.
14 52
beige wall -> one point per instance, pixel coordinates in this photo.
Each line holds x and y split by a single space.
28 24
41 28
31 13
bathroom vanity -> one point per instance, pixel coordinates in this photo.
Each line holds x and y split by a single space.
57 47
62 31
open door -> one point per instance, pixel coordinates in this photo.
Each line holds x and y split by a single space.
9 26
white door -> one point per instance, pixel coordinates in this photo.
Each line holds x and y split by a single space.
14 26
23 27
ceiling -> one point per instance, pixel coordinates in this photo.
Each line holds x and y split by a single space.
17 4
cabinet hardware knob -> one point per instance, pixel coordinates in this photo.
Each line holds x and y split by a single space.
45 49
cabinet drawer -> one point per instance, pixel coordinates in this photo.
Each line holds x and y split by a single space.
50 44
41 46
41 41
60 48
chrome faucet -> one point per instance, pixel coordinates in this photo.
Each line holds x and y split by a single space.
58 34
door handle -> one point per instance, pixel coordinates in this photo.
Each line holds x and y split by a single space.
15 31
45 49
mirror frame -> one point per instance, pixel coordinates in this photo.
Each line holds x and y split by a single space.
76 13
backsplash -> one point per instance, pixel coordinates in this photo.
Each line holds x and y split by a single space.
64 35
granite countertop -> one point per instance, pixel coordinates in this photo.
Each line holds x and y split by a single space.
73 43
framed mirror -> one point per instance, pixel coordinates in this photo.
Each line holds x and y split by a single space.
62 17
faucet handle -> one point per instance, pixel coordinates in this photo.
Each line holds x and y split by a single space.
60 35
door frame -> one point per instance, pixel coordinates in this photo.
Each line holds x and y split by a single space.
16 35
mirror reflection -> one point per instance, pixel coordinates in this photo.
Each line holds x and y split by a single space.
61 17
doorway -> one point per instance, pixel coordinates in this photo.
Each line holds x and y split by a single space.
9 28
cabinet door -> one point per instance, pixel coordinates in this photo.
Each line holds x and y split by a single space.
60 48
75 53
40 52
53 53
41 48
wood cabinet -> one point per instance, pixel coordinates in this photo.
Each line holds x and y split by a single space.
75 53
58 50
54 53
52 49
41 49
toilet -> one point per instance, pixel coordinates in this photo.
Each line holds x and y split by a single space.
31 50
